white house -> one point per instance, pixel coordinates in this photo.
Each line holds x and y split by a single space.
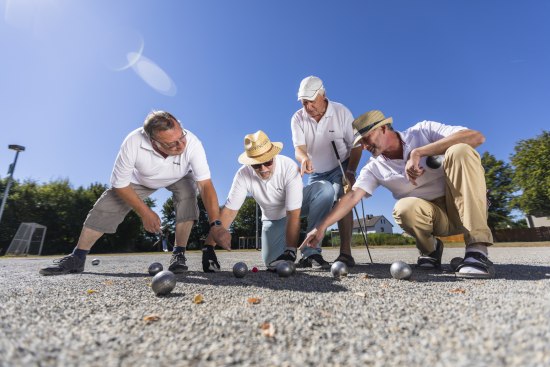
533 222
374 224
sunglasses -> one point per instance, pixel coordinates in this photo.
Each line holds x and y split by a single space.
265 164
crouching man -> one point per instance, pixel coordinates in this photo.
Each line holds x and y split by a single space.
275 183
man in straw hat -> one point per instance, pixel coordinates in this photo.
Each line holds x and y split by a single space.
274 182
315 127
440 200
161 154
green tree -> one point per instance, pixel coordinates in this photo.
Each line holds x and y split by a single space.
244 224
63 210
498 176
531 161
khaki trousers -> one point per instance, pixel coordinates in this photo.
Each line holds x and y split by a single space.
463 209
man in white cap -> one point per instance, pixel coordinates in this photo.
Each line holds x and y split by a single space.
274 182
161 154
440 199
315 128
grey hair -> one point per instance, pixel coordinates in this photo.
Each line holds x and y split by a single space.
157 121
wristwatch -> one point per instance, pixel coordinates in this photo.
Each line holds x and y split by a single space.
217 222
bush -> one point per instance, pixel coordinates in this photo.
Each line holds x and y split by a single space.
374 239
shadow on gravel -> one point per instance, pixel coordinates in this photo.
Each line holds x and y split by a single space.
301 281
119 275
522 272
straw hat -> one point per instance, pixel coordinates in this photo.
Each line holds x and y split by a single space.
259 149
367 122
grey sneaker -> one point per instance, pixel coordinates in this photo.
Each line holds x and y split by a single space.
288 255
65 265
177 263
314 261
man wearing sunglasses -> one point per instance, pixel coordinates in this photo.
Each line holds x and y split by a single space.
315 127
274 182
161 154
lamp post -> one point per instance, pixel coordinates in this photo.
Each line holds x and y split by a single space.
17 148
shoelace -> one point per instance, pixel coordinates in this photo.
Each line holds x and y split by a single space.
67 261
178 258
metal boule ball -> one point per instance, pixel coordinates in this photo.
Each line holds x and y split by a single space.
95 262
434 161
339 269
400 270
292 265
163 283
283 269
455 262
155 268
240 269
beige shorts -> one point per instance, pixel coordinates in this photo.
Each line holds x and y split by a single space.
110 210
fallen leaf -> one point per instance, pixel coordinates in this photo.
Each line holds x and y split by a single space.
151 318
198 299
90 291
366 276
458 290
268 330
253 300
108 282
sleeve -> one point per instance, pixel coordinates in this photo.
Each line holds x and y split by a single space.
293 188
367 180
237 193
437 131
298 136
197 160
124 164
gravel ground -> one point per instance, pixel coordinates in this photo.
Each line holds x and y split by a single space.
367 319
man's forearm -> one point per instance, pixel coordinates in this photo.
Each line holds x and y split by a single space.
210 199
131 198
293 228
341 209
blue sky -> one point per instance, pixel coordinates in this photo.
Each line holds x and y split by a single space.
77 76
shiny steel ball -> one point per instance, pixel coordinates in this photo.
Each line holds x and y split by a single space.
292 265
240 269
95 262
284 270
434 161
455 262
400 270
163 283
155 268
339 269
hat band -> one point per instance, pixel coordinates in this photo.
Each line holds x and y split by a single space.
367 128
259 155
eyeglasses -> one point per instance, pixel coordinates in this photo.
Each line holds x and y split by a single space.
173 144
265 164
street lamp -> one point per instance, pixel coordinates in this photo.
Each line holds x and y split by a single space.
17 148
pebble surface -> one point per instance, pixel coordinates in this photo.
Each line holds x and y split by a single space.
109 316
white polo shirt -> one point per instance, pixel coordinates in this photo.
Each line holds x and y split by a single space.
137 162
335 125
280 193
390 173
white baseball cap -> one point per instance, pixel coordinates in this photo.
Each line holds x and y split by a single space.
310 88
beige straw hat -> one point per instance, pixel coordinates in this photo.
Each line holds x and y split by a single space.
259 149
367 122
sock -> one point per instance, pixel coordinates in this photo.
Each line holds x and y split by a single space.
476 247
179 250
81 254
